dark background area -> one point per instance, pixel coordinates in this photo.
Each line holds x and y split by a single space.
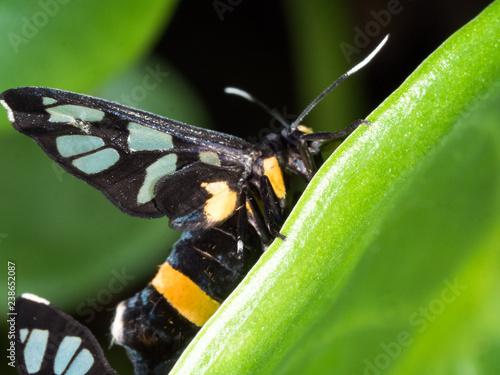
250 49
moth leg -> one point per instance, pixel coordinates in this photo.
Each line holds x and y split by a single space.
309 164
270 207
256 220
242 222
330 136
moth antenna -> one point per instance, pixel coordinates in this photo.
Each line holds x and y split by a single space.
367 59
246 95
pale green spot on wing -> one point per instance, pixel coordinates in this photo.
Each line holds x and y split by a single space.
142 138
23 333
98 161
70 145
34 351
71 113
67 349
48 101
209 157
160 168
81 364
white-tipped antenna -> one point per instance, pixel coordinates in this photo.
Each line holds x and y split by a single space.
253 99
306 111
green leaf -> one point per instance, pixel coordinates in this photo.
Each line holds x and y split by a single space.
391 263
74 45
317 63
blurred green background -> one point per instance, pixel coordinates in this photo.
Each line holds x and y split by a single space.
70 244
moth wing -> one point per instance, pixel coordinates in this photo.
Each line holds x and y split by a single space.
119 150
49 342
199 196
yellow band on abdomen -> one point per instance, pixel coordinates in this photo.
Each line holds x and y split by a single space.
184 295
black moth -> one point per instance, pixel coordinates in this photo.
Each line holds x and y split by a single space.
223 190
